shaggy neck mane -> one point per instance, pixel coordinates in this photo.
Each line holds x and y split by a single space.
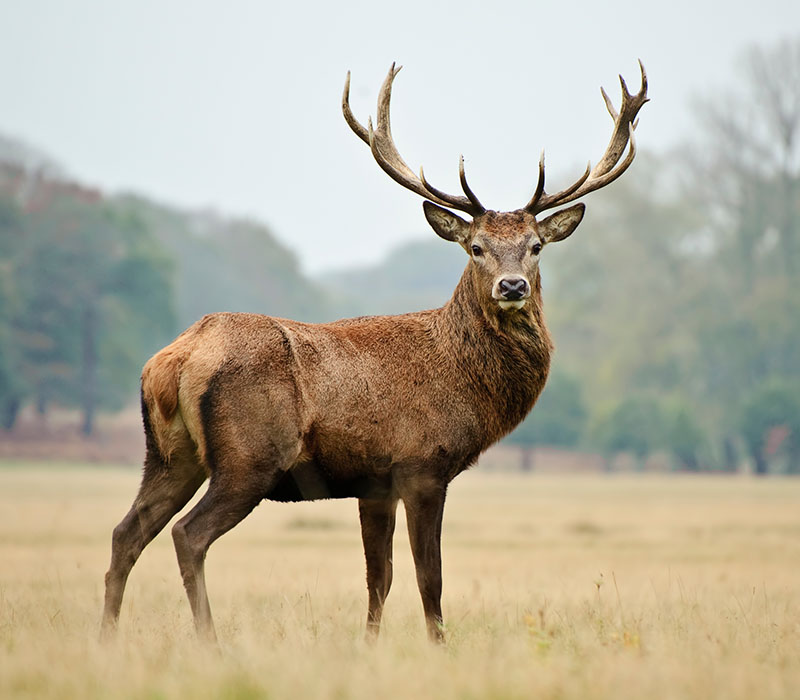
503 357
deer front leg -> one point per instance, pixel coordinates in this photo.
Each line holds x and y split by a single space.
424 510
377 529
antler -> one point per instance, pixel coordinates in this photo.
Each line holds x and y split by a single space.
385 152
608 168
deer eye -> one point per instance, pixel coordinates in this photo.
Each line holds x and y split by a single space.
537 248
477 250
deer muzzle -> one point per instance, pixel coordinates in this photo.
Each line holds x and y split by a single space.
511 291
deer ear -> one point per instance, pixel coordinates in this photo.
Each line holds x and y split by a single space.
445 223
560 225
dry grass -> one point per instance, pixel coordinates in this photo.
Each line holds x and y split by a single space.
555 587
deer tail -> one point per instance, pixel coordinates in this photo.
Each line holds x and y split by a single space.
160 410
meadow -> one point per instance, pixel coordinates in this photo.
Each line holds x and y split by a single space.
569 586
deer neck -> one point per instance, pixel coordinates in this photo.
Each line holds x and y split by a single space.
504 357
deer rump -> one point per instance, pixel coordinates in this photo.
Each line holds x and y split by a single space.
320 401
382 408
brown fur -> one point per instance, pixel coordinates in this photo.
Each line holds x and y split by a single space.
382 408
160 375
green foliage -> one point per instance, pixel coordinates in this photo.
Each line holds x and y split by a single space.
12 387
769 424
417 275
634 425
683 436
558 418
683 283
674 306
642 425
90 299
89 289
228 265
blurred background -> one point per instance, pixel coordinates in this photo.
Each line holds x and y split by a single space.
163 160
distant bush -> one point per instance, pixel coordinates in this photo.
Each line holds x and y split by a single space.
643 425
558 418
770 426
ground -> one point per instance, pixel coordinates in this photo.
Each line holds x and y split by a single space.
574 586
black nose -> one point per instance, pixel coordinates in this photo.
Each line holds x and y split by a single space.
513 288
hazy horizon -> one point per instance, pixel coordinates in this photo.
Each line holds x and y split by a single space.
239 110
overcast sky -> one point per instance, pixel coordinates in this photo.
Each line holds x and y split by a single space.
235 105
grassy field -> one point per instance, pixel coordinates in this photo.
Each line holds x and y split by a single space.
555 587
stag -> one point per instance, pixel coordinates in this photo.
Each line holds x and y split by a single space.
382 409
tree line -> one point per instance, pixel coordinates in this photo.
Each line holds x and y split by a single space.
91 286
674 308
689 269
84 294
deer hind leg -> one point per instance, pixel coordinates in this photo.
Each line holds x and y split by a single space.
231 496
165 489
251 438
424 511
377 528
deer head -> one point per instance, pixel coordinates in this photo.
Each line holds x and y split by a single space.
504 247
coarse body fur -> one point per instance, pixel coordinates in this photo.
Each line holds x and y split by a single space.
346 407
383 408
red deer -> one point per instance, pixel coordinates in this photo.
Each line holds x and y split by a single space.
381 408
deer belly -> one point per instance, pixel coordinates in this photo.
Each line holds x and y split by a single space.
308 481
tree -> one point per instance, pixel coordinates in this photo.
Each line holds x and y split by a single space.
93 299
683 436
634 424
89 287
123 305
641 425
12 386
223 264
618 294
418 274
558 418
746 177
748 171
769 424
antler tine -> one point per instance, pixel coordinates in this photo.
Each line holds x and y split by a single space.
384 164
433 193
384 130
467 189
612 110
609 167
477 207
623 85
531 206
540 203
388 157
612 174
644 76
349 117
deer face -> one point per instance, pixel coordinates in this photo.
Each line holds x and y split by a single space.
505 248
